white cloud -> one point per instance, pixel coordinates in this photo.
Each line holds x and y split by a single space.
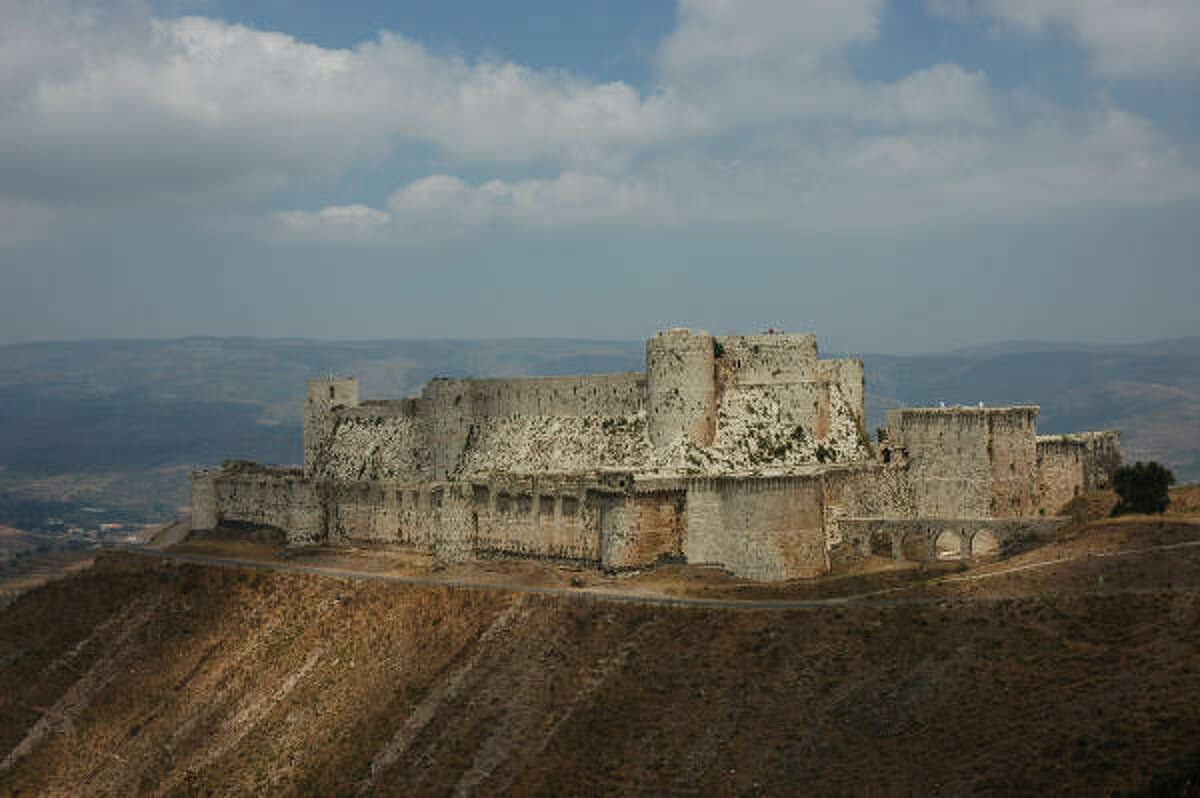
879 181
1125 37
758 120
440 205
932 177
99 105
939 94
571 198
754 62
714 35
342 223
745 61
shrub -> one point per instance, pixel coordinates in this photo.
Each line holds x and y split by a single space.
1142 488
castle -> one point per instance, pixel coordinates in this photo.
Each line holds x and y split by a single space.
743 452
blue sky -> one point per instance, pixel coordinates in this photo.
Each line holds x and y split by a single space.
896 176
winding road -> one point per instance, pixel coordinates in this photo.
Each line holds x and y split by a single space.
872 598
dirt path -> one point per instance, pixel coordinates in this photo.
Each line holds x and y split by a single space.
1033 566
872 598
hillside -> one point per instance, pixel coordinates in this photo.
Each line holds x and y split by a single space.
116 425
1076 676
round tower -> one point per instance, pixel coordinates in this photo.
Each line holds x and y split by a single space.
681 387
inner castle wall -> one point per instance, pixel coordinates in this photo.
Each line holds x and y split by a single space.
1070 465
743 452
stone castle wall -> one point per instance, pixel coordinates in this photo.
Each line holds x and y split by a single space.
864 490
766 401
248 493
1070 465
768 359
746 452
1012 457
367 444
967 462
644 528
456 409
767 529
545 518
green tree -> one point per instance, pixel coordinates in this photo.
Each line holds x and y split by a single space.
1143 488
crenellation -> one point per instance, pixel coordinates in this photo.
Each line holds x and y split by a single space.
768 359
743 452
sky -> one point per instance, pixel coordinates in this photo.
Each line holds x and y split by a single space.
896 176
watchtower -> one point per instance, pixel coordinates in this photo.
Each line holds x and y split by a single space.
324 396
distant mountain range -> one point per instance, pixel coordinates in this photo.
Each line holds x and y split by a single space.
115 425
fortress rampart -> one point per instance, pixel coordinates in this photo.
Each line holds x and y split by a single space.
1069 465
742 452
969 461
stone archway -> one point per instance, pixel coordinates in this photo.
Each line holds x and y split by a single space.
947 545
984 544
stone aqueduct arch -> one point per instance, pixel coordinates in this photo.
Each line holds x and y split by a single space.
947 544
984 543
941 542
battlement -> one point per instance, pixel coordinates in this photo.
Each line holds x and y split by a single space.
968 413
1098 438
768 359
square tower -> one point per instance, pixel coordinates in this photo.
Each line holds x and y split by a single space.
324 397
969 462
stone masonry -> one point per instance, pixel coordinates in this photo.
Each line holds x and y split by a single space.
742 452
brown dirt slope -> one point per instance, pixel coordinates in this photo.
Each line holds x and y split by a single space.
159 678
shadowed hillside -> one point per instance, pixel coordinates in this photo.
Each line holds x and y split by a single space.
181 679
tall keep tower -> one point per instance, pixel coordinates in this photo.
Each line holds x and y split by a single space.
681 387
323 396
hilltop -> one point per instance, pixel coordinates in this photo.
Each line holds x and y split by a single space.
117 425
1072 669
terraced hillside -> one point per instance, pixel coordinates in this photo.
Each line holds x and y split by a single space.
1079 678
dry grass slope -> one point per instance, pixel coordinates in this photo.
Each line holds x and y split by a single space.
166 679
